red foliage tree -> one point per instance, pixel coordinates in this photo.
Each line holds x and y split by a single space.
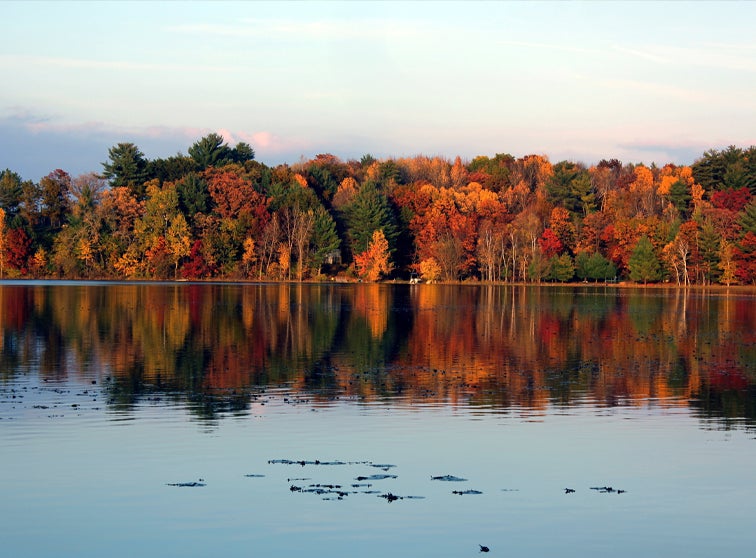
17 247
196 267
550 245
734 200
744 254
235 197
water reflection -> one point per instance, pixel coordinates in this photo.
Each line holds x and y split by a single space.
220 347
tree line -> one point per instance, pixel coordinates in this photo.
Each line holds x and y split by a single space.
216 212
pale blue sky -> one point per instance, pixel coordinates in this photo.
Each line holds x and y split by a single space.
640 81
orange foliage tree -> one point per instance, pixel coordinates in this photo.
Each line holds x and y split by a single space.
376 260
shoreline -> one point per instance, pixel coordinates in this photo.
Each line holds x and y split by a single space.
349 281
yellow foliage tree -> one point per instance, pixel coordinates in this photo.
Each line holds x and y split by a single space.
85 252
671 174
727 264
284 259
178 240
38 261
249 257
130 263
644 179
345 193
666 184
430 270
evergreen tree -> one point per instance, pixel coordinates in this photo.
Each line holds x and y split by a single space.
193 195
710 170
322 181
213 151
242 153
127 167
748 217
561 268
55 191
750 169
570 187
171 169
710 247
369 211
644 265
325 240
11 193
600 268
581 265
389 173
679 195
210 151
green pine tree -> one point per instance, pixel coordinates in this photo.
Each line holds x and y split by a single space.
598 267
581 265
325 239
644 265
748 218
127 166
709 246
561 268
680 196
369 211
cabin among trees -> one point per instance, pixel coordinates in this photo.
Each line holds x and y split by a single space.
218 213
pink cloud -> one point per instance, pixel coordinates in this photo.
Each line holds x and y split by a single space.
263 141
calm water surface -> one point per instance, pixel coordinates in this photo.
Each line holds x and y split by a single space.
113 397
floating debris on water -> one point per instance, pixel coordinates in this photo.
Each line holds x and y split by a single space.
383 466
187 484
375 477
254 476
303 462
465 492
449 478
607 490
389 497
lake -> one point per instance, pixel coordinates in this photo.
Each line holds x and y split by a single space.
190 419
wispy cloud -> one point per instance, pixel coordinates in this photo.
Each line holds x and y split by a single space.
81 146
37 124
656 89
325 29
677 152
558 47
261 141
10 60
645 55
729 56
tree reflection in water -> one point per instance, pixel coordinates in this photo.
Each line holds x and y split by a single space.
221 347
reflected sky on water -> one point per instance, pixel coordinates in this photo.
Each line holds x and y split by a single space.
112 393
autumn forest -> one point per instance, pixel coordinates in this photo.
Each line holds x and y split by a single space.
216 212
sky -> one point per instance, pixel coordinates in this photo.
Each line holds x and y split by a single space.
651 82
